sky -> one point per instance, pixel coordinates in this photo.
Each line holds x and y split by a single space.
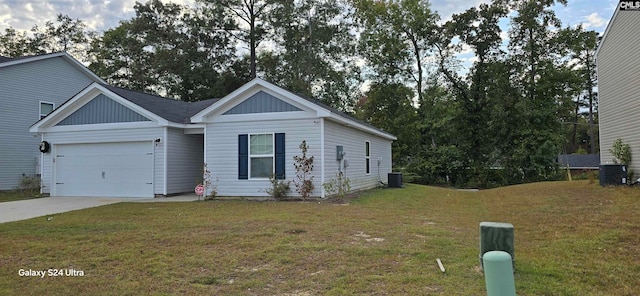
100 15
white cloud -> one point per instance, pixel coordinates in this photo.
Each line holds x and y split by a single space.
594 20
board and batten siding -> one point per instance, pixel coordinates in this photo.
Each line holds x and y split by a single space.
618 66
107 136
222 153
22 87
184 166
353 142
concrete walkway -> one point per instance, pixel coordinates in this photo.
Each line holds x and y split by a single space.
31 208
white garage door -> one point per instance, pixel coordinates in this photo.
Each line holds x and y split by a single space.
105 169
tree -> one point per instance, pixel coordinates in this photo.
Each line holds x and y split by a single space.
397 38
479 29
62 35
314 51
537 71
252 28
389 107
581 46
167 49
14 43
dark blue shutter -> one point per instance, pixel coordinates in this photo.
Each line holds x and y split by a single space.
280 156
243 157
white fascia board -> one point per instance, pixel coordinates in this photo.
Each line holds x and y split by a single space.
84 97
606 31
99 127
63 110
64 55
261 117
199 117
362 127
253 87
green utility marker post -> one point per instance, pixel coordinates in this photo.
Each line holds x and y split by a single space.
496 236
498 274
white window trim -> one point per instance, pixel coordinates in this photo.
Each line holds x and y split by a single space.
272 155
367 157
40 115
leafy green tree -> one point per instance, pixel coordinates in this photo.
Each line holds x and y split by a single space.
14 43
314 51
390 107
477 28
249 23
62 35
581 47
167 49
397 39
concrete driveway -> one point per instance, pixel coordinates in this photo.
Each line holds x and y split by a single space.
31 208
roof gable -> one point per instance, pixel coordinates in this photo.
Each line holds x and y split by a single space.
256 85
102 109
64 55
261 102
104 104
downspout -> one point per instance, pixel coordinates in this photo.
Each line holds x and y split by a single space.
322 148
165 156
42 166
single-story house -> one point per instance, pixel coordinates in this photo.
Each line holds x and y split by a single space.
108 141
618 68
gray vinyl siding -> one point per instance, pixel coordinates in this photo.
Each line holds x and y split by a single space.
353 142
222 153
184 166
262 102
104 136
22 87
619 91
102 109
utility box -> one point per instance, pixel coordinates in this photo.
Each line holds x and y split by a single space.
339 152
496 236
613 174
395 180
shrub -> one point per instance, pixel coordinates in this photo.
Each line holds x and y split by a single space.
304 167
279 188
338 186
29 185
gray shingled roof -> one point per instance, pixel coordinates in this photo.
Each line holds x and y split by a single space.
579 161
169 109
4 59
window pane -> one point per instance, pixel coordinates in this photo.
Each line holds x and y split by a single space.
366 148
45 108
368 164
261 167
261 144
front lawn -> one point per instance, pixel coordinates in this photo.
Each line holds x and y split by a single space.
13 195
571 238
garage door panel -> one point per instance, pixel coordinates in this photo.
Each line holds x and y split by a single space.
106 169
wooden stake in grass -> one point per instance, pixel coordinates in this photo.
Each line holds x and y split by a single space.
440 264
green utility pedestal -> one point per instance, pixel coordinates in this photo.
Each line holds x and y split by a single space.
498 274
496 236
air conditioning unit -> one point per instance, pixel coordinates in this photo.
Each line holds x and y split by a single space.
395 180
613 174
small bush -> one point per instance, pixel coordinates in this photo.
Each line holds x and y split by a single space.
29 185
338 186
279 188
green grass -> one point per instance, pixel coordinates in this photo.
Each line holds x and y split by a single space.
13 195
571 238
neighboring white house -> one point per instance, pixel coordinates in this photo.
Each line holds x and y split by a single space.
30 88
618 66
107 141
